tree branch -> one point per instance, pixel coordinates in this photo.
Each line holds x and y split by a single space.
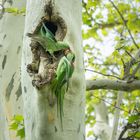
129 64
118 85
115 106
98 25
125 23
109 75
129 126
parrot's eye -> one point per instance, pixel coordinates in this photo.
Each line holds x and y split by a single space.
51 26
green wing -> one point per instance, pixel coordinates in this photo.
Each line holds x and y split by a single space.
46 43
61 82
47 40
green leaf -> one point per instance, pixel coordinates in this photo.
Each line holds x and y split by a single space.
19 118
14 126
123 7
104 32
90 133
132 16
137 135
134 25
15 10
18 125
21 133
11 10
133 118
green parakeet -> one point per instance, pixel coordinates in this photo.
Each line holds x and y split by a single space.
60 84
45 32
64 71
47 40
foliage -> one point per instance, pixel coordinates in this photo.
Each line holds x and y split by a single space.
133 125
17 125
111 41
15 11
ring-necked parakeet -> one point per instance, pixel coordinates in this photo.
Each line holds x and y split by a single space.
60 84
47 40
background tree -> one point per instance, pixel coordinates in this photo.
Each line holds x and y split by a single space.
11 33
111 46
41 120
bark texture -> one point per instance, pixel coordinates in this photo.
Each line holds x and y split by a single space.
41 121
114 135
101 129
119 85
11 32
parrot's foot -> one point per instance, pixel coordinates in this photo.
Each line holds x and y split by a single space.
32 68
37 84
40 82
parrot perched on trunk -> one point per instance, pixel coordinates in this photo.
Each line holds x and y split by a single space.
60 84
47 40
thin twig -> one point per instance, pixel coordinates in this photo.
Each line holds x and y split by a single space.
110 104
92 19
129 54
128 126
123 132
123 63
125 23
135 70
129 64
103 74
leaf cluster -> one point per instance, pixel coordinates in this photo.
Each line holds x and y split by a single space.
17 125
110 44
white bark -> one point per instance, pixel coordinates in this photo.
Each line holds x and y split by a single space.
117 116
101 128
41 122
11 31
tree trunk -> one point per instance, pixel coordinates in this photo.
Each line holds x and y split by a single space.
11 31
41 121
101 129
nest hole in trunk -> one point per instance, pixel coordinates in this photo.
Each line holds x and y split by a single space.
51 26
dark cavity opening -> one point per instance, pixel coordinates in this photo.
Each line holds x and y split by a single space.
51 26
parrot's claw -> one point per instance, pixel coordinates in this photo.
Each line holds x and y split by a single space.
32 68
38 82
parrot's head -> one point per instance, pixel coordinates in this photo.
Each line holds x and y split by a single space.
45 31
71 57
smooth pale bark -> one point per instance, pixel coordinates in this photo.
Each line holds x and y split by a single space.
117 116
101 129
41 121
120 85
11 32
